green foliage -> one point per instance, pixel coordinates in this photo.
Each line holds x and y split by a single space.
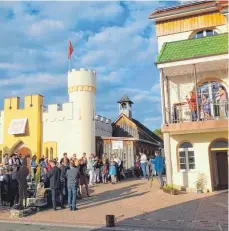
158 133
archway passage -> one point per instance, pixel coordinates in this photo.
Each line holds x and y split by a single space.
219 162
23 152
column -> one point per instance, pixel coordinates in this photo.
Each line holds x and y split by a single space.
168 159
196 93
162 95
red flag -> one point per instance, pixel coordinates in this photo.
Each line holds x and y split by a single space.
70 50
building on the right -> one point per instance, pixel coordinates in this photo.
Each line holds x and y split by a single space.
193 64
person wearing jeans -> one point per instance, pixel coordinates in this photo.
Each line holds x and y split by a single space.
143 161
73 175
159 166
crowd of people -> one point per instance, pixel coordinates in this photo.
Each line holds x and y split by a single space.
68 177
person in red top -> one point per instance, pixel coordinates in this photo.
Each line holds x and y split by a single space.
192 105
49 166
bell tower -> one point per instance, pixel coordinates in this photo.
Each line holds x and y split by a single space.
125 106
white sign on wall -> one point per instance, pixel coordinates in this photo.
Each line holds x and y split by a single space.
117 145
17 126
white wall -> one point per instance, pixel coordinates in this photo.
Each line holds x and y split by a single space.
201 144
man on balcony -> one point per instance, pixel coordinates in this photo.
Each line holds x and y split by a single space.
192 105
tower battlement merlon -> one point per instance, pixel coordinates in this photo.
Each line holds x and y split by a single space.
58 112
82 70
30 101
102 119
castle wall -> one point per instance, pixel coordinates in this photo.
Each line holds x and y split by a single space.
103 126
32 111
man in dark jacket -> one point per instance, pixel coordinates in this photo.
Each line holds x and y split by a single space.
73 175
54 176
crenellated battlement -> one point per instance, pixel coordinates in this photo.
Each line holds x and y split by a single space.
102 124
82 70
102 119
30 102
57 112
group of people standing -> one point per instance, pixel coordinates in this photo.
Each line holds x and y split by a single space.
150 167
67 177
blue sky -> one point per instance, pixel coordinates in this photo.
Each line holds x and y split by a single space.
115 38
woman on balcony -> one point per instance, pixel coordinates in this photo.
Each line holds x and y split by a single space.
192 105
222 98
205 106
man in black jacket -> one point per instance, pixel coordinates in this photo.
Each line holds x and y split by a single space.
54 176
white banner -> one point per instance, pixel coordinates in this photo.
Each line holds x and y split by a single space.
17 126
117 145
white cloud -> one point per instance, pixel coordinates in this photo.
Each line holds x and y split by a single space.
44 27
156 88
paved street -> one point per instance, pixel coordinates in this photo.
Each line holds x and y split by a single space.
28 227
136 204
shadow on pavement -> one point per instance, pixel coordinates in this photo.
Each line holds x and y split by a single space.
109 196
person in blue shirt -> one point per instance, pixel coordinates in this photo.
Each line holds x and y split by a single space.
159 167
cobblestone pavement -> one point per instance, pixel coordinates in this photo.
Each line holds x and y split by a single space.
136 204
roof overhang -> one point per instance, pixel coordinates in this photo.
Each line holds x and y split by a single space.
183 10
192 61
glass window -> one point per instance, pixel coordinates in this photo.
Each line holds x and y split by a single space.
204 33
186 157
186 145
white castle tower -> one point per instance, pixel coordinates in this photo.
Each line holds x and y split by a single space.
82 90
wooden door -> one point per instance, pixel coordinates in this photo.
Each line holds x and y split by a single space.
222 165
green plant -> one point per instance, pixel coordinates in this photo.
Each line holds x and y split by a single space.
201 182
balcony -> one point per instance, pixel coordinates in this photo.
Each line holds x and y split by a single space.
211 116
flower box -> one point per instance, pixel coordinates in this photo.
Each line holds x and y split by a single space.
170 190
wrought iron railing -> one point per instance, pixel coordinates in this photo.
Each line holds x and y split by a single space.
183 112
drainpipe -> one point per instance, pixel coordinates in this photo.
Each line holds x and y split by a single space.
197 101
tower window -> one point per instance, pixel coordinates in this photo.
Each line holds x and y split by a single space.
204 33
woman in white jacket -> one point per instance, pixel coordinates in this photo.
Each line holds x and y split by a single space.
91 169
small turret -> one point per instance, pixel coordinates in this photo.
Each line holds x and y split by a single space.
125 106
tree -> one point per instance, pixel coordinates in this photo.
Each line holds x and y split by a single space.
158 133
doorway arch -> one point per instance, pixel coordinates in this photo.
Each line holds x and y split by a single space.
218 159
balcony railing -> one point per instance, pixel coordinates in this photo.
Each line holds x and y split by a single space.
182 112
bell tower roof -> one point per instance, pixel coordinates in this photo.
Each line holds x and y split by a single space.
125 99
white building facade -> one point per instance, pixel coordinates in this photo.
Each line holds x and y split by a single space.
193 57
74 125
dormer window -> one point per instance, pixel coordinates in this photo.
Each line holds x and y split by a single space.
204 33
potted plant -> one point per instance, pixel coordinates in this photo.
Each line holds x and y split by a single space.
170 189
201 183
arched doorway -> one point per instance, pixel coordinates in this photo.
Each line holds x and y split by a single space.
218 151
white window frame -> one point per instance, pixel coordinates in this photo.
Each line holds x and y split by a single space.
186 150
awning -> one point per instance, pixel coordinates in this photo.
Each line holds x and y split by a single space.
17 126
